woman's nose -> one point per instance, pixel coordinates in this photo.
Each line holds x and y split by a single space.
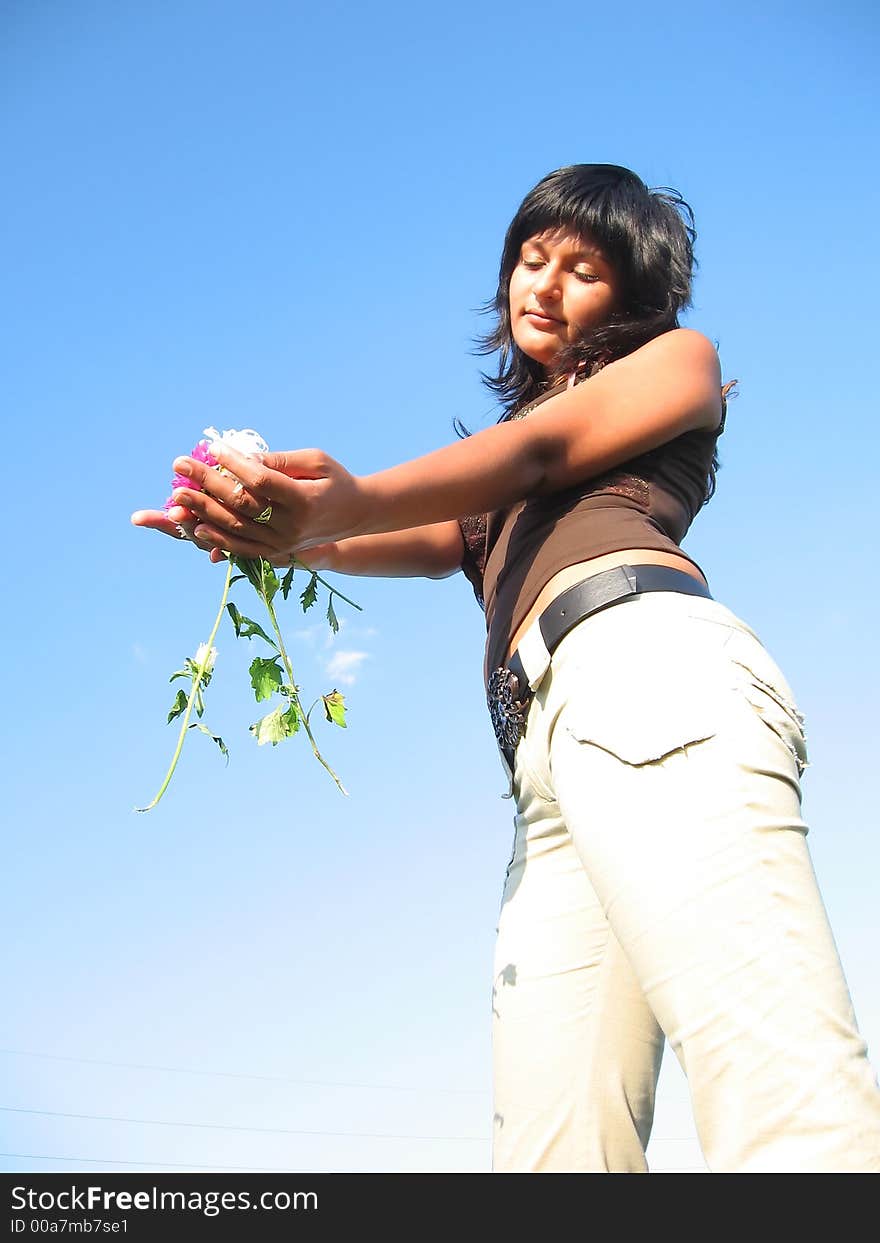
546 282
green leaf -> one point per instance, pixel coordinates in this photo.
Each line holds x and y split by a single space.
331 615
245 628
274 727
214 738
236 578
287 583
250 628
291 719
334 707
251 567
179 706
181 673
270 581
236 617
266 676
310 595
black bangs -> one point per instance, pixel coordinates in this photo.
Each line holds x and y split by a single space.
597 201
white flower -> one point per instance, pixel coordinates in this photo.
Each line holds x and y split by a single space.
201 655
245 441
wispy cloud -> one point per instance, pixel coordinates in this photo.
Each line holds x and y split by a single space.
343 665
320 635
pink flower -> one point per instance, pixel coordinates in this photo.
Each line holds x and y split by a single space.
201 453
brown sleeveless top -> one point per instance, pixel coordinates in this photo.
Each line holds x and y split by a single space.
647 502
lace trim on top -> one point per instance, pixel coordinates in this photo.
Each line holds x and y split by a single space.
473 564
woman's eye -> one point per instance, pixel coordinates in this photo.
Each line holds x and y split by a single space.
586 277
530 262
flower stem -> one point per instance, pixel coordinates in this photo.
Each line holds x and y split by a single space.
197 681
303 717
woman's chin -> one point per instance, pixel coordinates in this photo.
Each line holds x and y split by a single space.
546 356
541 349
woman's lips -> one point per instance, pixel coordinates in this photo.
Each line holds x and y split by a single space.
540 320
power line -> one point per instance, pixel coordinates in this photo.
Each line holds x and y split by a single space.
261 1169
171 1165
326 1083
273 1130
226 1074
219 1126
285 1130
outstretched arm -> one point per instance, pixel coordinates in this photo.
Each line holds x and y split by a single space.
434 551
668 387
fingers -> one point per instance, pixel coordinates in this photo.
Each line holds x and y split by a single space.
251 508
178 523
300 464
226 488
155 520
249 469
281 559
218 515
221 541
256 471
248 482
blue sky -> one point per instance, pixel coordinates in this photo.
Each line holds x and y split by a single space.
259 214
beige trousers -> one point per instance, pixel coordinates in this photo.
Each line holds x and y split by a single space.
660 887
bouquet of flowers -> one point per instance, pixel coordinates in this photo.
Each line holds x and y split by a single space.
271 675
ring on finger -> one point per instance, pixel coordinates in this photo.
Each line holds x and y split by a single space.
265 516
238 489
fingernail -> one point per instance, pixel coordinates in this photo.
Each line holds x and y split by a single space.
182 466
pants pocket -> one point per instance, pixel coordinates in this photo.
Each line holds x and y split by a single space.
642 714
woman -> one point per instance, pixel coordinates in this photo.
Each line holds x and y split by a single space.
660 885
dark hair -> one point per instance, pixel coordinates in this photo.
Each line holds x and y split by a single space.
647 235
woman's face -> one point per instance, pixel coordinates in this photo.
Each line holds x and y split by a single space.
561 285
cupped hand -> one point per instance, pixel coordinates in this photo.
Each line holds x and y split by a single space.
268 505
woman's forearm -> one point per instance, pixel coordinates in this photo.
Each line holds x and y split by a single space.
487 471
422 552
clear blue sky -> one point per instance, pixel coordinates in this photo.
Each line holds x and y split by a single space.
264 214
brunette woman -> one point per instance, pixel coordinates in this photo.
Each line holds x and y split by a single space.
660 885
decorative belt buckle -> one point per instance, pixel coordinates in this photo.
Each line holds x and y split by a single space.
508 713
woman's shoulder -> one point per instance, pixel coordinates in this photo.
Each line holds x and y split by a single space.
667 354
683 344
682 363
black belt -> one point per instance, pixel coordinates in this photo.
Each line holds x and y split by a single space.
508 692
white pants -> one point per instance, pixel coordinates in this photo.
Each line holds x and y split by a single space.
660 887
